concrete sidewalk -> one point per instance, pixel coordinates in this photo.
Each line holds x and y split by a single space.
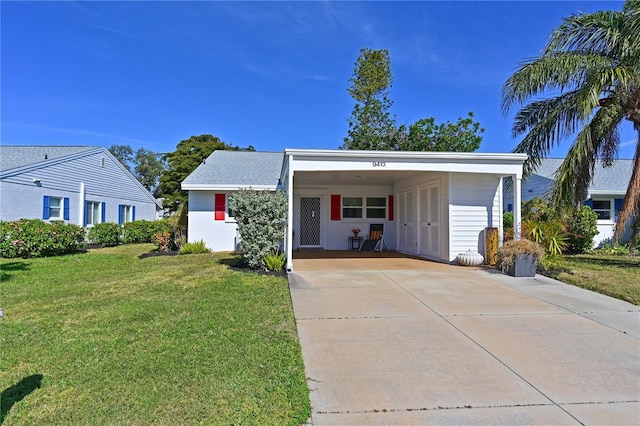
463 346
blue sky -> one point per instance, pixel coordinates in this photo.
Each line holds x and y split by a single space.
268 74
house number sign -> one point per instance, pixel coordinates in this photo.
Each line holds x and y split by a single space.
379 164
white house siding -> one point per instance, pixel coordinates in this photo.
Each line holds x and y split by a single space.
475 205
335 233
104 181
413 185
218 235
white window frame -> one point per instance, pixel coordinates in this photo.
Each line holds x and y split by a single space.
610 209
126 213
364 207
94 217
59 207
229 217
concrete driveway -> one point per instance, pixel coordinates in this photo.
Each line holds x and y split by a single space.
464 346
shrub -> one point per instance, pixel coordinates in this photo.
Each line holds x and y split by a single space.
261 223
552 235
274 261
163 239
36 238
511 249
507 226
195 248
105 234
142 231
581 227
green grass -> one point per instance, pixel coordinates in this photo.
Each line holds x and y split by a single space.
616 276
108 337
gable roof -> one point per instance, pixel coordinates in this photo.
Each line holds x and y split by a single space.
17 159
606 180
12 157
236 169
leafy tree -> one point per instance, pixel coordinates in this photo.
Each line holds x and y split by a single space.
590 73
188 155
371 126
148 169
123 153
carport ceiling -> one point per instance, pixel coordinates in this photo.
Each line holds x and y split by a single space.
352 177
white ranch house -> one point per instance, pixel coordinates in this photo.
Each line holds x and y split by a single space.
83 185
432 205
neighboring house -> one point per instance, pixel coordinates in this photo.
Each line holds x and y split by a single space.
605 194
432 204
83 185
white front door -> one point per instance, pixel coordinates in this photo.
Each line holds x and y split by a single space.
310 222
429 211
405 205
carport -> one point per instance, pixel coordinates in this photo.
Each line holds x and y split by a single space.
432 205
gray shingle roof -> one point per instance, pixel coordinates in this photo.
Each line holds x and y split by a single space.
241 168
615 178
12 156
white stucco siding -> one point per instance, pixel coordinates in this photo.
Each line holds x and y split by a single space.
104 181
218 235
475 205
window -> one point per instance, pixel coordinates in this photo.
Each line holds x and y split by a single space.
364 207
229 210
55 208
602 209
126 213
93 213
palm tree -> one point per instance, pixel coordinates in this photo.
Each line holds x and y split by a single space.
588 76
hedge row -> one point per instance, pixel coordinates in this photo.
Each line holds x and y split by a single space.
35 238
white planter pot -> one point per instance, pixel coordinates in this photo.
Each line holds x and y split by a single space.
470 258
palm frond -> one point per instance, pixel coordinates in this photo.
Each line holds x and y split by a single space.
594 32
558 71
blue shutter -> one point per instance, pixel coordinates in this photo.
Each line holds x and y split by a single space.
133 213
85 219
45 207
65 214
119 214
617 206
589 203
104 212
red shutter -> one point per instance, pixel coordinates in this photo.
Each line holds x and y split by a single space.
390 207
220 206
336 207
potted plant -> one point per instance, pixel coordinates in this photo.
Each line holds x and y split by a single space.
519 258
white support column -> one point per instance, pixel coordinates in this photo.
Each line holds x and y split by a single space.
517 209
290 214
82 205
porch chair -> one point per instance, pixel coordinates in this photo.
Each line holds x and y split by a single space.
375 242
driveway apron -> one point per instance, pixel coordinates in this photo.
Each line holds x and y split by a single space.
464 346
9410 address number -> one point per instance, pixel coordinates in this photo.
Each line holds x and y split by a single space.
379 164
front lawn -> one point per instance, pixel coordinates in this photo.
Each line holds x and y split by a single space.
616 276
111 337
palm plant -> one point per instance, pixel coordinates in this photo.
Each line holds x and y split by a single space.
589 72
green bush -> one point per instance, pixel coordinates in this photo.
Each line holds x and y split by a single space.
142 231
105 234
195 248
274 261
261 223
581 227
36 238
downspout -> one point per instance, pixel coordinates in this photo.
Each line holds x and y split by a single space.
82 204
289 213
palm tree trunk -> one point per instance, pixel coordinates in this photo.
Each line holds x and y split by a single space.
631 204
